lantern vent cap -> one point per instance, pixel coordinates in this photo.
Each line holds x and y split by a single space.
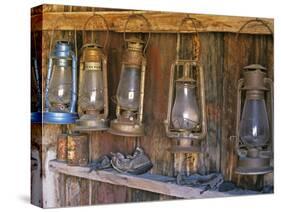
254 76
92 53
255 67
62 48
93 45
135 44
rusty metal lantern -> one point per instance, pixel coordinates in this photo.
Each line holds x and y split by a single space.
253 128
130 91
186 115
61 82
93 91
254 131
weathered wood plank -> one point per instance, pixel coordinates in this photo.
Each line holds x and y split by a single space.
160 22
212 61
153 183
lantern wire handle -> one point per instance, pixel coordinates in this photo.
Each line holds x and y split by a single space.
258 20
104 46
56 21
197 50
138 16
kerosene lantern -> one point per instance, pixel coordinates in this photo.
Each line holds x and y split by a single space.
254 126
186 115
93 94
61 83
36 105
253 129
130 91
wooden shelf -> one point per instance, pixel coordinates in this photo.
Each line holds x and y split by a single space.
161 22
148 182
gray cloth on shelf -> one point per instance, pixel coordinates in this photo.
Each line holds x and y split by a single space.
138 163
102 163
206 182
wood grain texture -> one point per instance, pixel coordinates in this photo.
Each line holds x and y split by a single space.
153 183
211 59
160 22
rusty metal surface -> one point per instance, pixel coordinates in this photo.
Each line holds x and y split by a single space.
78 150
62 148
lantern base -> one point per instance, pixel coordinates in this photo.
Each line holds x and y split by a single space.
36 117
253 166
130 129
59 118
91 124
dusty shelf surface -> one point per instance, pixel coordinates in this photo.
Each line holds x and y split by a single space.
148 182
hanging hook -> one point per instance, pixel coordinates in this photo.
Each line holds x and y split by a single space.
138 16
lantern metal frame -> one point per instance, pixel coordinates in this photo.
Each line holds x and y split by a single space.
194 136
62 50
254 160
135 56
36 116
96 51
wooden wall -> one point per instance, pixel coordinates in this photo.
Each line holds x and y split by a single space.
222 57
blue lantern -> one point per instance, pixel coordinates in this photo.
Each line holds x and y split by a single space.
61 85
